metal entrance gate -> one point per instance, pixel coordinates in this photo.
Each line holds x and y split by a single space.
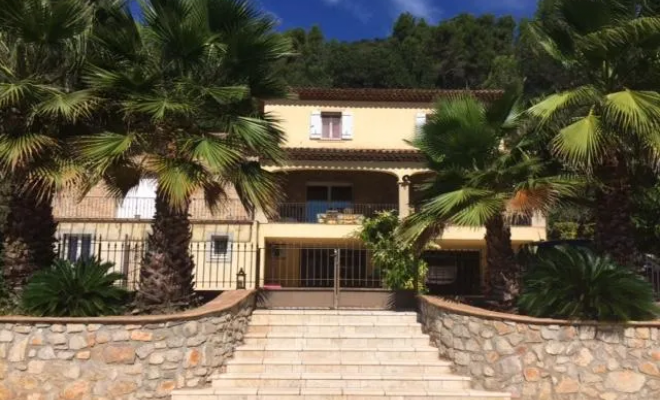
326 276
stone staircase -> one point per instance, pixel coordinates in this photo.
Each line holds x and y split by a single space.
332 355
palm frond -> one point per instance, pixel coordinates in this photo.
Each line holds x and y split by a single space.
19 151
625 34
258 136
633 111
158 108
105 148
552 106
67 106
580 143
178 179
212 151
419 229
256 187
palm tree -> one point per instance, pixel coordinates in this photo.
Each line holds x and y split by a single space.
182 85
42 47
607 124
481 175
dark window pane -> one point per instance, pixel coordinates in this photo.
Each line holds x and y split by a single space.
341 193
72 247
85 247
317 193
331 125
220 245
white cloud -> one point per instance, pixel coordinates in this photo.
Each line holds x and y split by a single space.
418 8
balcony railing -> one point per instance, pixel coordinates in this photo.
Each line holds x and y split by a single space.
140 208
331 213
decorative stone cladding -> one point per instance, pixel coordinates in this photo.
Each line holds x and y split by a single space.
545 359
120 358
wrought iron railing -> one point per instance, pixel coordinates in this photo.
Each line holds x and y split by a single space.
217 262
332 213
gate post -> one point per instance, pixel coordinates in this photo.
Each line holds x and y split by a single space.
257 273
337 279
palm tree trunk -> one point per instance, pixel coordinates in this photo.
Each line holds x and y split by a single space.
29 237
614 230
166 275
503 272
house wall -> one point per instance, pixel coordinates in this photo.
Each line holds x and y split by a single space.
368 187
376 125
124 244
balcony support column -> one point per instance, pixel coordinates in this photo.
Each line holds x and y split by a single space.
404 197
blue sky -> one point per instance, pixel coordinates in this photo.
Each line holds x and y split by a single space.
363 19
366 19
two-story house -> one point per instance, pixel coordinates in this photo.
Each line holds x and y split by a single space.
347 159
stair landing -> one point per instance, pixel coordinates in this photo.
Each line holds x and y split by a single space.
333 355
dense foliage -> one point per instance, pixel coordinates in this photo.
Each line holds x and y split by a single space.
179 89
86 288
397 263
483 175
466 51
576 283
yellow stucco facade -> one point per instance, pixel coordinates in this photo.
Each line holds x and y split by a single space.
348 160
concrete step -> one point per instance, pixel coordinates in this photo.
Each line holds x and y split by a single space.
314 330
321 317
367 367
338 341
343 381
426 353
332 394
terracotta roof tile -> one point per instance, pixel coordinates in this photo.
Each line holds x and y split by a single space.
334 154
388 95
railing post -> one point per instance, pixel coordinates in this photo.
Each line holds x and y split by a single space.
404 198
257 272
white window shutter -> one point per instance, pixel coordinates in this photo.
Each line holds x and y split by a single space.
346 125
316 125
420 121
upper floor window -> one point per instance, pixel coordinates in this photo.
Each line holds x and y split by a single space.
331 126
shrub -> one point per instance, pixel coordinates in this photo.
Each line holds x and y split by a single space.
84 289
575 283
396 263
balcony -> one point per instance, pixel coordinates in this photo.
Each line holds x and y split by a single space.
329 213
96 208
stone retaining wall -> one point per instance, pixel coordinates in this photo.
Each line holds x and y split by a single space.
546 359
117 358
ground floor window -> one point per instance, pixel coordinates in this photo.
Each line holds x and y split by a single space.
77 247
453 272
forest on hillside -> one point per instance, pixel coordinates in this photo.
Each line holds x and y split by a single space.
467 51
